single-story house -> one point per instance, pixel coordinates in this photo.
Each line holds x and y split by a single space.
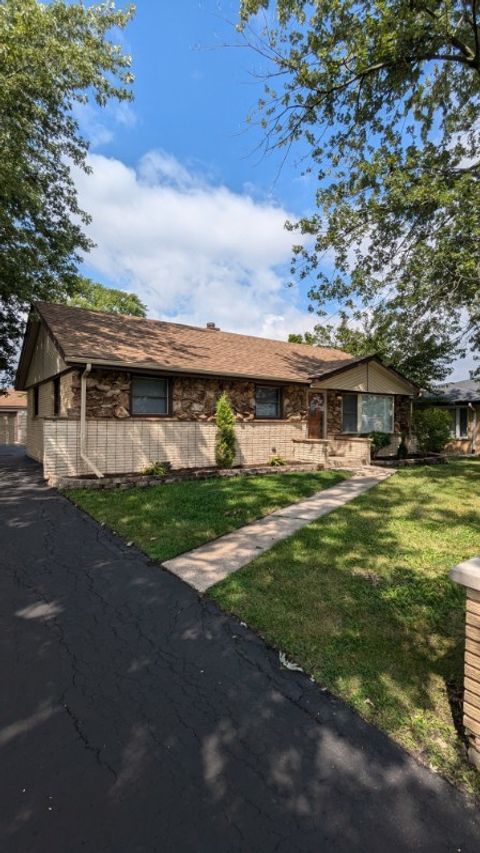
109 393
462 401
13 417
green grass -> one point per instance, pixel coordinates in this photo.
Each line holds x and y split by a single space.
167 520
362 600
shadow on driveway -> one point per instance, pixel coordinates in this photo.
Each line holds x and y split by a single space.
137 717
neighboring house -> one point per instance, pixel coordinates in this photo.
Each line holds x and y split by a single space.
110 394
462 401
13 417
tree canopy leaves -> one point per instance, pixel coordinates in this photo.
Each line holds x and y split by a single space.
53 56
90 294
421 350
386 96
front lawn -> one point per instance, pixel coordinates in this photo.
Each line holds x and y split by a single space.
167 520
362 600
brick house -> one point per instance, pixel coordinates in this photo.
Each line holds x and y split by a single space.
110 394
13 417
462 401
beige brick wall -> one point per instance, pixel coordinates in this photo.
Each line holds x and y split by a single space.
311 451
35 424
130 445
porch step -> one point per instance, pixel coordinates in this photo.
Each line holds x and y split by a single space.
345 462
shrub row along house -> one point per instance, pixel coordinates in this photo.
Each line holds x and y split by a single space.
110 394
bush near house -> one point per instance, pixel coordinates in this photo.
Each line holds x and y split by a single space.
379 441
432 428
225 442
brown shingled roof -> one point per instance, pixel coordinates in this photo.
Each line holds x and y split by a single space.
100 338
13 399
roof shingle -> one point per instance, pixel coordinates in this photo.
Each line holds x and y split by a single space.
97 337
13 399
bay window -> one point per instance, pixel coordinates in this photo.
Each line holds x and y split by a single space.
365 413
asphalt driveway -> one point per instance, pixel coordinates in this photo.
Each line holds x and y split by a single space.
136 717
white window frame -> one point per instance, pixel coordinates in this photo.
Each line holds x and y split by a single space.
456 432
360 397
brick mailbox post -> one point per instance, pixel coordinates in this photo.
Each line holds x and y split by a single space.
468 575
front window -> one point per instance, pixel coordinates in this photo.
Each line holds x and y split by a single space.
459 422
365 413
149 396
267 402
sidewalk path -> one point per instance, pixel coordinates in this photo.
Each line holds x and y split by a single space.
207 565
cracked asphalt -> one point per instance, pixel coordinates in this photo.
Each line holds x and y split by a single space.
134 716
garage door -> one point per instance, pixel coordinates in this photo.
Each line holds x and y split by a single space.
7 428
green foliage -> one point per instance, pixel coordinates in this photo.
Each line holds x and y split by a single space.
385 96
277 461
225 441
420 348
361 599
167 520
89 294
158 469
53 57
379 441
432 428
402 451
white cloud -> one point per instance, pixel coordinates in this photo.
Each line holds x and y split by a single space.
192 249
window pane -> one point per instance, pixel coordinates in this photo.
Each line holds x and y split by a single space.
463 423
453 427
350 409
377 413
149 396
267 402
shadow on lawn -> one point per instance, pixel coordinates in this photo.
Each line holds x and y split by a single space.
140 717
363 600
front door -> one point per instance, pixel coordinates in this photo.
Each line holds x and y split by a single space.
316 414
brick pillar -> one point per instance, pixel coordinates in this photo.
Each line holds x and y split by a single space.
468 575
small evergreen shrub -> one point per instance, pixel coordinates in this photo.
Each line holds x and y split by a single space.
432 428
158 469
379 441
225 440
277 461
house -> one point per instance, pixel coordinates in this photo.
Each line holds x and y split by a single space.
462 401
109 393
13 417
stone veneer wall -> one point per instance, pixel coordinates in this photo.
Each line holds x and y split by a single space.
193 399
125 446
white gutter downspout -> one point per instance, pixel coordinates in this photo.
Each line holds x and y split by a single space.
474 429
83 415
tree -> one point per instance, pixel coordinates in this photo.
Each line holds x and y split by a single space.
422 350
385 95
53 56
225 441
89 294
432 429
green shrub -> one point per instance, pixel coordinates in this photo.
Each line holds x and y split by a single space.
225 441
402 451
277 461
379 441
432 429
157 469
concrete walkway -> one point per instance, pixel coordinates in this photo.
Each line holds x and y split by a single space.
207 565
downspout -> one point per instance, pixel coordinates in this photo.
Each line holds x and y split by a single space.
83 416
474 429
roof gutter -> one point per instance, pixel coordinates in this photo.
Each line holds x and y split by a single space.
83 415
188 371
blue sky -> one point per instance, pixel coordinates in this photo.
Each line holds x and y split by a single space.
187 211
